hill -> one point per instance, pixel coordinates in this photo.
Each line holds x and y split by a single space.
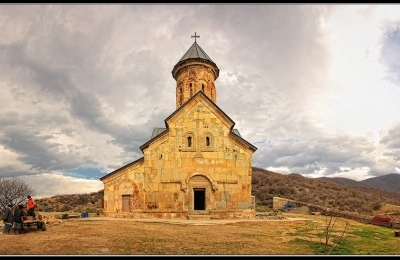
364 197
349 196
342 181
389 182
71 202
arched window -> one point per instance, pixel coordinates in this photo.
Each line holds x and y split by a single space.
207 141
202 87
189 142
191 90
180 96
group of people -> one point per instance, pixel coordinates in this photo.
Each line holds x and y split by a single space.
13 218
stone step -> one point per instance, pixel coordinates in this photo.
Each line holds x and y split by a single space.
199 217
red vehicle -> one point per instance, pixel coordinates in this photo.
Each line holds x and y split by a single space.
381 221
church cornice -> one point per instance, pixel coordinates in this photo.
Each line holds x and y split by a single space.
190 63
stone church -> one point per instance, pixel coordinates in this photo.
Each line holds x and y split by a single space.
197 166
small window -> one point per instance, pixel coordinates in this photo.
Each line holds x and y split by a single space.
202 87
180 96
188 141
191 90
207 141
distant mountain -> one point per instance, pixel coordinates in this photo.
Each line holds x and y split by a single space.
389 182
341 181
364 197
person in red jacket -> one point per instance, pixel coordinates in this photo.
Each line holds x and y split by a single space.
31 206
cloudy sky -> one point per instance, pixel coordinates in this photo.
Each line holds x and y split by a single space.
315 87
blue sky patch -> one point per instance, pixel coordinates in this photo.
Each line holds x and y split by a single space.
87 172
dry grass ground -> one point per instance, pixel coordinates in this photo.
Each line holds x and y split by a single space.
128 237
112 236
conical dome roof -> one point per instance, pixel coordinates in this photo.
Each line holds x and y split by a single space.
196 52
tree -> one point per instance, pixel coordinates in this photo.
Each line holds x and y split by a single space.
329 231
331 235
13 191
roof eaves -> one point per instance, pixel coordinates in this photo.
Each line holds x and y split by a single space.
123 167
251 146
154 138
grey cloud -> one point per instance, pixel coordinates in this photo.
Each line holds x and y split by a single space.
106 69
390 51
307 156
35 150
391 141
392 138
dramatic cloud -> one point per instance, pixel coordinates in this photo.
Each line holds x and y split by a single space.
315 87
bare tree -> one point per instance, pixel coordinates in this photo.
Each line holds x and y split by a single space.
13 191
331 231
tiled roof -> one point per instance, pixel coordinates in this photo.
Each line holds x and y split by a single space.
157 131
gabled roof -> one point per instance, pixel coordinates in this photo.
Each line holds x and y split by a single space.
200 93
123 167
236 132
158 132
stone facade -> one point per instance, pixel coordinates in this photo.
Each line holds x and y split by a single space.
192 77
197 165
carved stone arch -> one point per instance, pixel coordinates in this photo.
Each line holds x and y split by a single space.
200 193
201 177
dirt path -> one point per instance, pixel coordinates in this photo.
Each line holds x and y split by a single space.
195 222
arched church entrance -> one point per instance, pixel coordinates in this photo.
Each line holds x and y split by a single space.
200 193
